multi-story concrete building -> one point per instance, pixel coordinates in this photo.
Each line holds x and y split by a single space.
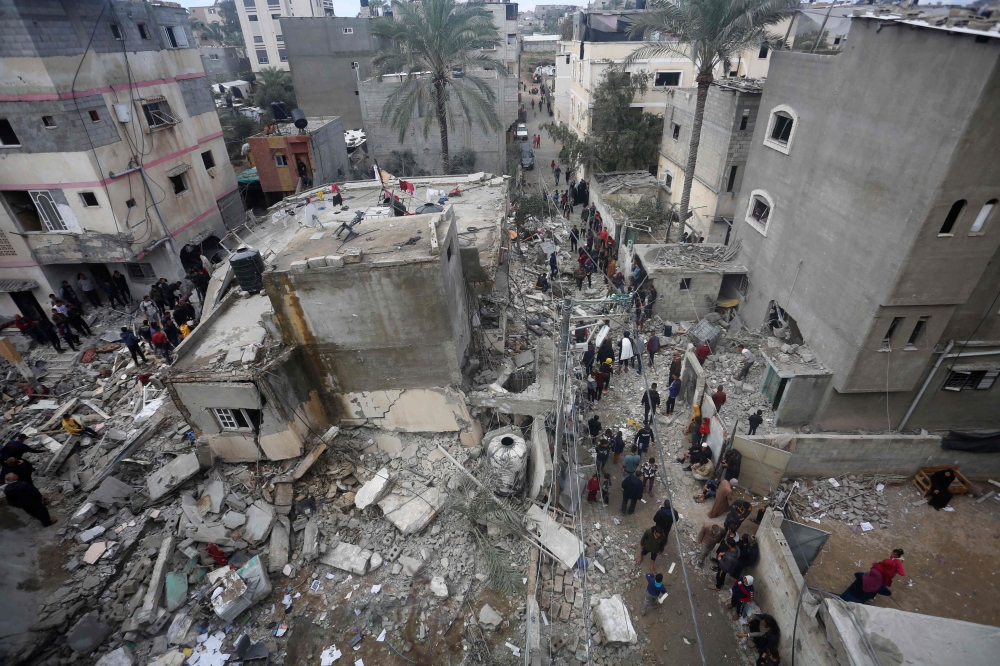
224 63
260 21
329 57
505 19
548 12
868 221
727 129
600 41
205 16
111 152
319 149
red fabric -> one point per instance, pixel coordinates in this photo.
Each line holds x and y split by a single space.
741 593
406 187
705 427
889 567
23 323
592 487
159 338
702 352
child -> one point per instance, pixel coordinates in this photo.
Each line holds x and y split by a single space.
591 389
606 489
592 487
69 336
648 473
619 447
654 588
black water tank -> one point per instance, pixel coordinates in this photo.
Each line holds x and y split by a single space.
299 118
278 111
640 4
248 267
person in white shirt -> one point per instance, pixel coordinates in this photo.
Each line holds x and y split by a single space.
748 360
149 309
627 356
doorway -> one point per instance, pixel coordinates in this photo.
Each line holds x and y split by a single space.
100 273
27 304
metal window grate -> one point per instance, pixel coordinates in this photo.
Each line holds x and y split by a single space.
6 249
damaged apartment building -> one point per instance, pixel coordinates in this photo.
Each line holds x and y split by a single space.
111 152
875 238
379 323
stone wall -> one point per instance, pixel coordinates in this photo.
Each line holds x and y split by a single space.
197 95
73 127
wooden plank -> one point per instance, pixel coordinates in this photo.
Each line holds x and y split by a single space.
763 466
959 485
56 418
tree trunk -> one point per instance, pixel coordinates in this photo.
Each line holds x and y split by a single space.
704 81
442 115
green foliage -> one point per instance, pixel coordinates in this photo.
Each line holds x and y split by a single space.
437 44
566 29
807 40
478 505
231 23
620 137
528 205
273 85
648 211
464 161
402 163
236 129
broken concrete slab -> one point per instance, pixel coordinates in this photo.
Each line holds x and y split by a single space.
234 598
171 475
438 587
410 565
375 489
389 443
149 604
119 657
179 627
310 540
260 518
278 547
348 557
611 616
489 619
556 539
284 495
210 533
89 535
308 461
257 581
330 434
215 490
88 633
112 491
86 510
412 511
233 519
57 415
169 659
176 585
94 552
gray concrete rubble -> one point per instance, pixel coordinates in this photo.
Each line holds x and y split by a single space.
612 618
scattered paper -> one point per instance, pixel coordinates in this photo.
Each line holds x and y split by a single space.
834 482
949 508
880 487
600 566
287 601
376 589
643 501
314 586
381 637
359 662
329 576
348 595
816 504
330 655
866 527
280 631
671 569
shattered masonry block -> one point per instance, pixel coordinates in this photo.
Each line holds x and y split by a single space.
260 518
348 557
334 261
412 512
308 461
310 540
87 510
410 565
298 266
489 618
278 550
257 581
88 633
120 657
352 256
234 599
171 475
613 619
316 262
176 590
87 535
375 489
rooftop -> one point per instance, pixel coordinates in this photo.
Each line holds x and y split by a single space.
713 257
616 180
234 324
478 212
540 38
289 129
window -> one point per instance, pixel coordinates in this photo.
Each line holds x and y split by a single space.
95 117
449 252
280 160
781 129
685 284
887 339
240 420
250 4
7 136
175 36
208 159
732 178
979 380
45 205
89 199
274 3
952 218
675 131
758 213
665 79
668 179
262 56
348 31
918 330
213 56
143 33
276 16
984 214
836 40
282 55
763 51
279 38
158 114
211 11
179 184
745 119
355 65
49 122
252 17
258 39
141 271
117 31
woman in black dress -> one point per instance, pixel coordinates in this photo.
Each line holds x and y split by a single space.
939 495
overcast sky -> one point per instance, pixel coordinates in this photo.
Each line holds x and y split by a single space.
351 7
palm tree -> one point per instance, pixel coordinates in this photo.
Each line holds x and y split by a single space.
437 43
212 32
273 85
709 32
376 7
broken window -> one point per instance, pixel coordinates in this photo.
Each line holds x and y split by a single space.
782 130
179 184
89 199
979 380
158 114
763 51
887 339
952 218
675 131
918 330
143 34
208 159
685 283
732 178
668 179
34 210
984 213
667 79
141 271
239 420
175 36
116 31
7 136
760 211
745 119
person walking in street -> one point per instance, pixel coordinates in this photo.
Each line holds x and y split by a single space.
632 461
650 401
602 452
631 493
606 489
23 494
89 289
748 361
648 473
719 398
594 427
626 354
866 586
574 238
556 172
652 543
710 536
593 487
672 391
132 344
742 594
891 566
654 589
121 284
755 420
642 439
665 518
652 346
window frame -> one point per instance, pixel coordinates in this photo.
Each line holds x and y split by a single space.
262 59
918 332
685 284
763 52
147 113
987 211
675 131
744 120
211 157
13 133
668 172
282 55
116 32
955 212
970 380
348 31
772 120
43 212
171 34
46 123
283 158
140 271
83 199
754 222
678 72
183 181
95 116
225 418
143 30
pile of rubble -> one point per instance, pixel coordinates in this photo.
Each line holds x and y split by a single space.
694 255
856 500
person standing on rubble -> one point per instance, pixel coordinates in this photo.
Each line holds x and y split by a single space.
653 542
150 310
28 328
650 402
89 289
553 266
24 495
46 328
594 427
75 428
702 353
719 398
67 294
74 316
67 334
111 293
22 468
652 346
748 360
132 344
162 345
588 359
574 238
672 391
122 285
626 354
602 451
171 331
617 446
755 420
16 448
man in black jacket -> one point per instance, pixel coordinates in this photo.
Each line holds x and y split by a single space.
132 343
25 496
665 517
22 468
631 492
16 448
650 401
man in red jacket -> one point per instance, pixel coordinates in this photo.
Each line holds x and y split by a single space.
162 344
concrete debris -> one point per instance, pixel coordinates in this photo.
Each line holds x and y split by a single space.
411 512
111 492
348 557
489 619
556 539
169 659
230 597
855 500
612 618
172 475
375 489
234 519
87 633
86 510
119 657
176 586
259 519
438 587
308 461
278 552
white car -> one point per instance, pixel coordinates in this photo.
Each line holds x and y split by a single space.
522 132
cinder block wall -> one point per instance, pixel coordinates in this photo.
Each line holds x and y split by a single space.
678 304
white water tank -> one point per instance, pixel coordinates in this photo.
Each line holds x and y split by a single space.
507 456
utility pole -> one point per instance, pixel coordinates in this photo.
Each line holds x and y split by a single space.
563 374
